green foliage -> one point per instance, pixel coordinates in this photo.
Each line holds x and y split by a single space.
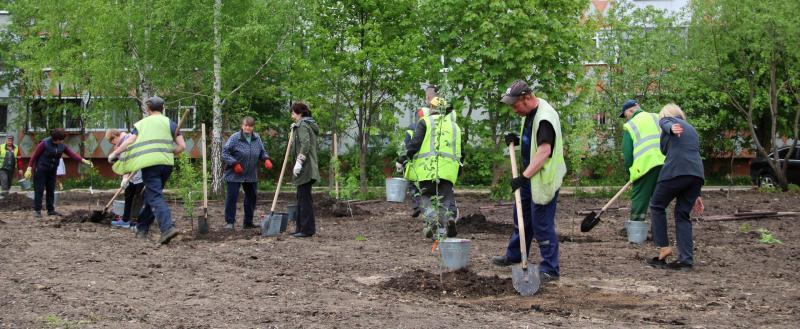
54 321
794 188
769 189
767 238
361 238
188 182
90 177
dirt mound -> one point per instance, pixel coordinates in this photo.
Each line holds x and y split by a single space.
82 216
325 205
15 202
477 223
461 283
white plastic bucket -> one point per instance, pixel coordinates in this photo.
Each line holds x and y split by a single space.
396 189
118 207
455 253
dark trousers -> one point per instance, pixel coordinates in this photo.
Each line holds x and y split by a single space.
413 192
684 190
155 207
642 190
6 175
305 209
447 201
540 223
232 196
44 180
133 200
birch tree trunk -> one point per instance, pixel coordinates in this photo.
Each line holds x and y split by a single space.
216 130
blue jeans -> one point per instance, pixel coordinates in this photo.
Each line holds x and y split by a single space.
232 196
540 223
155 207
685 190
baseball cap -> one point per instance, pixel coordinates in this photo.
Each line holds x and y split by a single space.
155 102
517 88
625 106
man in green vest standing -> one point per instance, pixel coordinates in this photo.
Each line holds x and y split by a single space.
640 150
542 149
150 150
435 150
9 155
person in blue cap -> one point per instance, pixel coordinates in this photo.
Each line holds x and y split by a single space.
642 156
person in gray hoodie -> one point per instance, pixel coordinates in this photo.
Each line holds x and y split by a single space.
680 179
242 153
305 171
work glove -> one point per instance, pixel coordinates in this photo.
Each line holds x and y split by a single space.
268 164
518 182
125 181
237 168
298 164
512 138
88 163
399 166
28 173
112 157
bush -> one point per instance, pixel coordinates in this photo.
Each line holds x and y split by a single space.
187 180
794 188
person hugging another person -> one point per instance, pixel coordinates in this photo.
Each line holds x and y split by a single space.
241 154
132 183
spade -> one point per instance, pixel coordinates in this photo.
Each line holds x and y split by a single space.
592 219
202 223
525 278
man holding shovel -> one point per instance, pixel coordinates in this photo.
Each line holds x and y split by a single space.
150 149
640 150
539 183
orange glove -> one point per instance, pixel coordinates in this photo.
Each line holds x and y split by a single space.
268 164
237 168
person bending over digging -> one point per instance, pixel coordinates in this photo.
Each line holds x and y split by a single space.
150 149
45 161
305 171
681 179
132 183
543 159
242 153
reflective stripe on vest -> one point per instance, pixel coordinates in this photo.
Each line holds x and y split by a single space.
436 159
3 152
645 134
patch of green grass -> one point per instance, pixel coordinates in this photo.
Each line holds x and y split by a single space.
361 238
767 237
53 321
794 188
769 189
745 228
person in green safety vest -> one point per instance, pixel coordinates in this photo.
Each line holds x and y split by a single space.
436 152
542 148
9 155
643 159
150 149
406 166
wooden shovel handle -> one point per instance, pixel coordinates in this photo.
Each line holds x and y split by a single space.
181 122
203 153
518 198
283 170
616 196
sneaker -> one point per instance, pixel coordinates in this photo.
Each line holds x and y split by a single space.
451 229
168 235
120 223
141 234
228 226
427 232
301 235
54 213
545 277
416 213
656 262
502 261
37 214
679 266
248 226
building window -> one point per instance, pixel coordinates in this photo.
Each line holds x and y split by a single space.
175 114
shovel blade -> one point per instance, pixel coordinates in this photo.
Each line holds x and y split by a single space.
202 226
526 281
589 222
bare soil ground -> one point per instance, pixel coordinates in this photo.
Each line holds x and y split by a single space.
376 270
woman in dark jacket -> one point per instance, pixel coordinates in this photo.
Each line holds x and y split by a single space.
680 179
242 153
305 171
